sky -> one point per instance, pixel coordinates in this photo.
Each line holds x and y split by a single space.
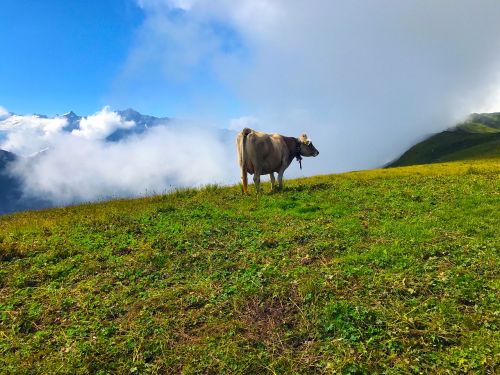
364 79
59 55
200 58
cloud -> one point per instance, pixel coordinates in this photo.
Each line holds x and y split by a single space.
365 79
3 113
28 134
237 124
25 135
170 4
64 165
101 124
75 168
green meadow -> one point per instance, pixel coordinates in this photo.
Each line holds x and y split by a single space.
476 138
390 271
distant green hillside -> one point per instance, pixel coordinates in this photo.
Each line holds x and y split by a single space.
477 138
391 271
491 120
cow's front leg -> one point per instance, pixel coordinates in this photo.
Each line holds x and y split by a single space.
273 181
256 181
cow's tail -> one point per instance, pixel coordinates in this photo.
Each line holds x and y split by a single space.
242 156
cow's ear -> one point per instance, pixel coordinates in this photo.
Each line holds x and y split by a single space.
303 139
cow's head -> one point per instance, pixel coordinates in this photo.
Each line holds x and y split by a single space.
306 146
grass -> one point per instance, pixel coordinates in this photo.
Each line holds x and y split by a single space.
486 150
491 120
451 145
473 127
476 138
383 271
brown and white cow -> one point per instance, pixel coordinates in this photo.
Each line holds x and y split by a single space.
261 153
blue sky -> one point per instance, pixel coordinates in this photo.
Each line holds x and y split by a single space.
59 55
62 55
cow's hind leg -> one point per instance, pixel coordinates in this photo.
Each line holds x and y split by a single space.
244 180
273 181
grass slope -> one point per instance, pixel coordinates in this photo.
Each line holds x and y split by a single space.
445 145
485 150
393 270
476 138
491 120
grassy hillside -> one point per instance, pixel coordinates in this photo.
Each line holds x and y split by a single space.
476 138
393 270
491 120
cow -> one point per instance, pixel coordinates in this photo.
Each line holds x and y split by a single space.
261 153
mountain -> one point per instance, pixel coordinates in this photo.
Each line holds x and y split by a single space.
9 187
11 194
142 123
6 157
476 138
73 121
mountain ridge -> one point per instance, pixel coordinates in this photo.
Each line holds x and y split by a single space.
11 192
477 137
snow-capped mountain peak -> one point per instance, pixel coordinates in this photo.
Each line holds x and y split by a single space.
128 122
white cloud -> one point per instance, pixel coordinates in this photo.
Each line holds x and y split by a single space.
82 166
237 124
365 79
166 4
101 124
3 113
491 103
76 169
25 135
